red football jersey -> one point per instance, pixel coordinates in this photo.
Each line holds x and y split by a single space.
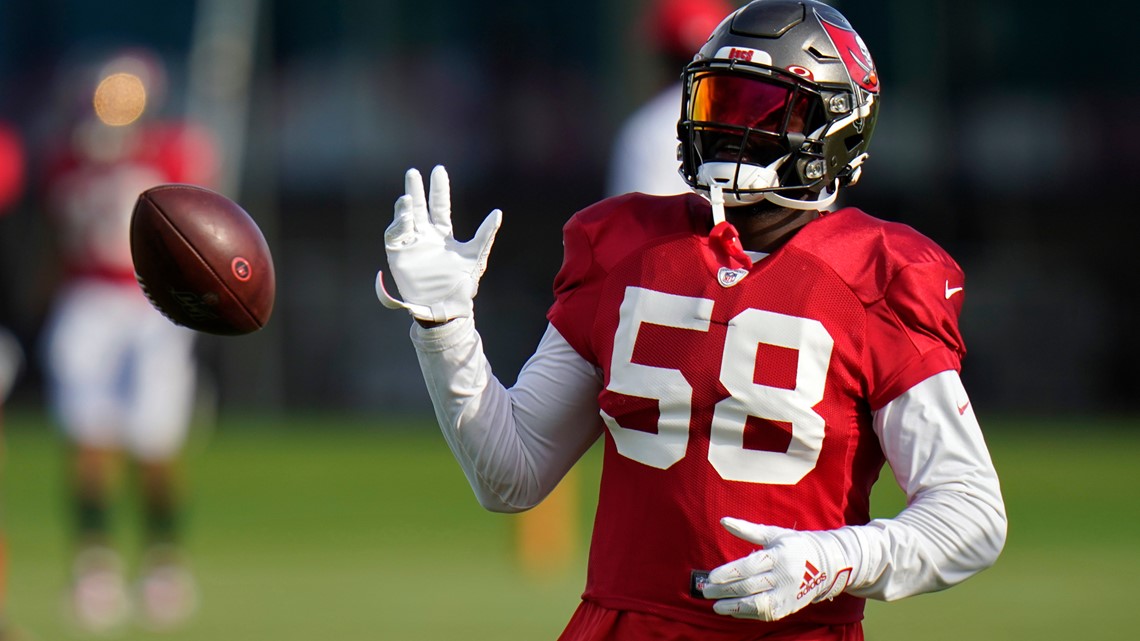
745 394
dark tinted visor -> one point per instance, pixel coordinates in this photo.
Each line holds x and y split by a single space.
754 102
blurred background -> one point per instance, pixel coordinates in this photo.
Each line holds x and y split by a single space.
998 139
1006 134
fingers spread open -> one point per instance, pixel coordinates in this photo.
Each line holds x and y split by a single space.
414 187
402 231
439 200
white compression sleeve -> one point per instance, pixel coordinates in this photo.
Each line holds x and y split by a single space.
514 445
954 524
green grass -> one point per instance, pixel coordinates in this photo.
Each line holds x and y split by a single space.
1073 548
324 528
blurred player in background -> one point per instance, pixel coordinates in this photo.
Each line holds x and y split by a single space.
644 155
121 376
750 359
12 178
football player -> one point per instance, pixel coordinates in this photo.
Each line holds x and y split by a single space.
750 360
120 375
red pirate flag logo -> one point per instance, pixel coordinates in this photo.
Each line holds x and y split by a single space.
855 55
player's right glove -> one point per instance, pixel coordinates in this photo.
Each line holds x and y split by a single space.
437 275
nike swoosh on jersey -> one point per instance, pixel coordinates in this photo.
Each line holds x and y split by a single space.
950 291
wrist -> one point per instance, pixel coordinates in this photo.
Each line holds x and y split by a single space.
843 550
429 336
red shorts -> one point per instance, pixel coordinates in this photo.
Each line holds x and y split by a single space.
591 622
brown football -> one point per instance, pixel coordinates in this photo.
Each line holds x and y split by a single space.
202 260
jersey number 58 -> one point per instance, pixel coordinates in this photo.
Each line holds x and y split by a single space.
746 332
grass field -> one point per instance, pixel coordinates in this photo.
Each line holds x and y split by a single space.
327 528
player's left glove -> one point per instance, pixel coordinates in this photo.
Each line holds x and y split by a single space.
437 275
793 569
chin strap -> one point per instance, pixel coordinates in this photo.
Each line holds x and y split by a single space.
755 177
716 198
724 238
825 200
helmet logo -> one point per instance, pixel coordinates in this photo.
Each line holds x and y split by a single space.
802 72
855 56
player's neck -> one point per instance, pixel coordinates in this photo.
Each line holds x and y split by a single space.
766 229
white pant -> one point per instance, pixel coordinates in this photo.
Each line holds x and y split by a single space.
120 375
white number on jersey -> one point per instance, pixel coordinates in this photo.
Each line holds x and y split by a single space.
746 332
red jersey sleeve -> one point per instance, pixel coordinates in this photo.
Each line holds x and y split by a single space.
575 295
602 235
913 331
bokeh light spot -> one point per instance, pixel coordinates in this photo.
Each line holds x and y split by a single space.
120 99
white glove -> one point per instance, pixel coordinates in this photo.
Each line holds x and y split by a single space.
795 568
437 275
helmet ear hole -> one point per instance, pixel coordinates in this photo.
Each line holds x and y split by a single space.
852 142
